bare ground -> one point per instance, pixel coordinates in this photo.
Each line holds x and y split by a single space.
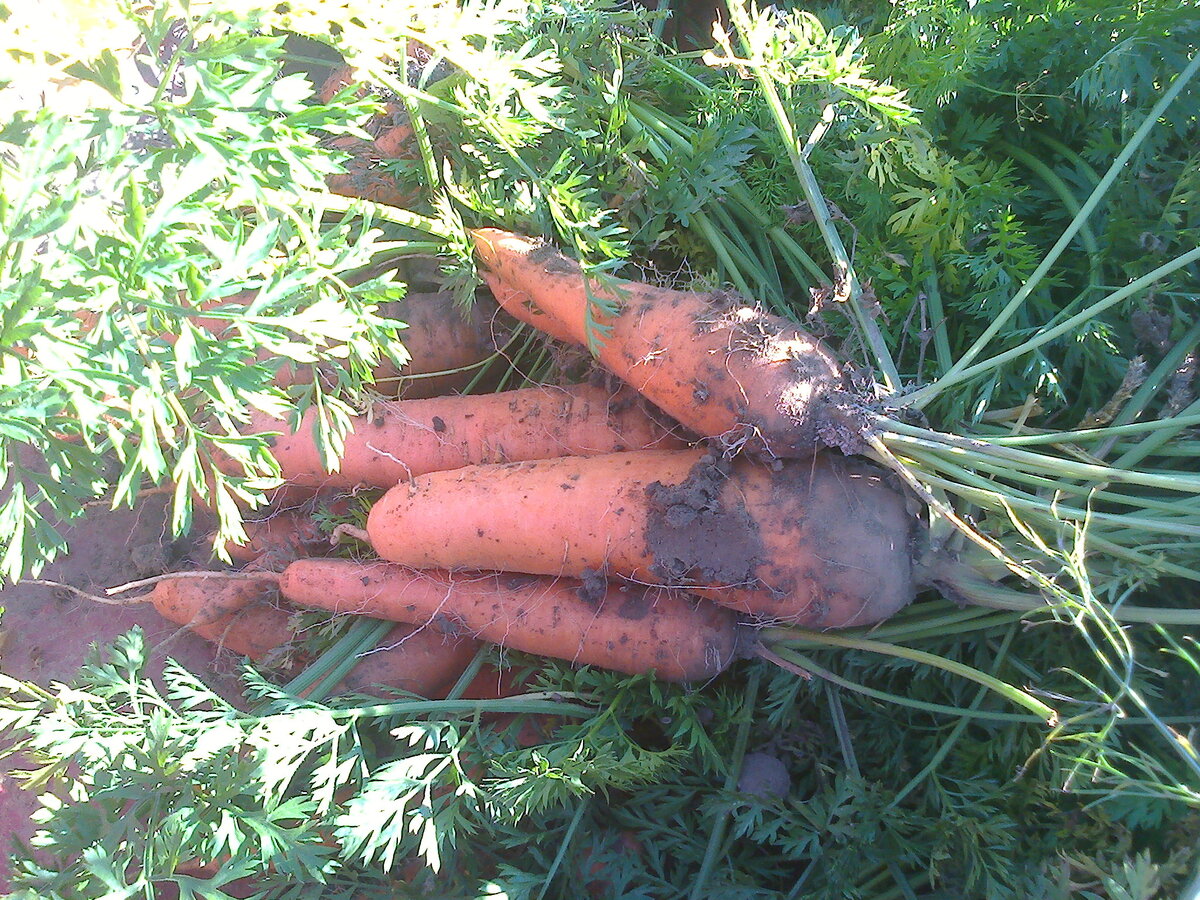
46 632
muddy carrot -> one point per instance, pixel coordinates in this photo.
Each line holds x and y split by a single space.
823 542
245 616
722 367
622 627
400 439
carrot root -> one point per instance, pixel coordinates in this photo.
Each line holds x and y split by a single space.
822 542
623 627
724 369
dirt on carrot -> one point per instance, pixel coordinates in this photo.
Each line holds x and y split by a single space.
692 534
724 368
825 542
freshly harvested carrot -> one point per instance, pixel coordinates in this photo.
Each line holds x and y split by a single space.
626 628
392 139
724 369
420 660
202 599
403 438
823 542
439 338
245 616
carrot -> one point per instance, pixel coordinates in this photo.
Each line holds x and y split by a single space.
236 613
245 616
823 542
207 598
439 338
392 139
420 660
400 439
626 628
724 369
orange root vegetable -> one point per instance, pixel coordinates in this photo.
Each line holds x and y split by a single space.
244 616
422 661
724 369
403 438
392 139
823 543
207 598
627 628
239 614
439 338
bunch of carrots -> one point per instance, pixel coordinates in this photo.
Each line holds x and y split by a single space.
648 527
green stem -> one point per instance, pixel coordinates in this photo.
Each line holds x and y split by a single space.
1069 200
722 250
717 836
898 431
1067 153
563 846
1089 434
332 666
824 219
527 703
959 727
1156 439
774 637
963 365
937 318
1051 510
961 372
962 581
794 660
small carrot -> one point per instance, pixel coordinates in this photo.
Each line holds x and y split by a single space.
823 542
245 616
440 338
622 627
724 369
400 439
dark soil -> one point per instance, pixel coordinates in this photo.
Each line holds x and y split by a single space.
694 537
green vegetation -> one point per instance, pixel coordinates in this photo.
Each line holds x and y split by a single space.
992 209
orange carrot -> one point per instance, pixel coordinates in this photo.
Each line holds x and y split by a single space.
439 338
823 542
245 616
400 439
420 660
724 369
626 628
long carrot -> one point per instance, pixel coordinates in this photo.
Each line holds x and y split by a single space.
400 439
627 628
823 542
725 369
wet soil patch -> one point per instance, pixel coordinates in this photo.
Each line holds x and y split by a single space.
698 537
